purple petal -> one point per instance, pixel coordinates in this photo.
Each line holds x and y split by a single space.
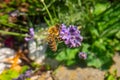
71 36
28 38
31 31
28 73
31 35
82 55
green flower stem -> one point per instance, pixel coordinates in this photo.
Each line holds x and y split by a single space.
48 12
12 33
11 25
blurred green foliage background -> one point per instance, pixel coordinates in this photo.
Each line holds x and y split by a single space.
98 21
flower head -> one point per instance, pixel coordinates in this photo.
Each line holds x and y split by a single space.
82 55
31 31
31 35
14 13
71 35
27 74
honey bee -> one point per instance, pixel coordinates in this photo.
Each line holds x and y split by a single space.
52 42
53 36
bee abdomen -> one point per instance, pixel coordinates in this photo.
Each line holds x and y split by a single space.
52 44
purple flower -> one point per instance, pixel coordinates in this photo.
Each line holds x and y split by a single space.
14 13
31 35
27 74
64 34
82 55
71 36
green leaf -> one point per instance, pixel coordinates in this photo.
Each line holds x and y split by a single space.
118 34
3 19
100 7
85 47
8 74
68 55
111 77
24 68
95 63
70 62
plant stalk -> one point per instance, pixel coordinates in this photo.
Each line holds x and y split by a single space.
12 33
48 12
